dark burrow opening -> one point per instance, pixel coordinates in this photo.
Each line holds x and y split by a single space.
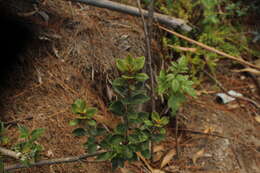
19 44
16 35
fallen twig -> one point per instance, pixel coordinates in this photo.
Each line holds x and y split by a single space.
163 19
237 59
202 133
10 153
52 161
14 122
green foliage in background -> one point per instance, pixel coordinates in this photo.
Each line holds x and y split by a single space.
216 23
137 128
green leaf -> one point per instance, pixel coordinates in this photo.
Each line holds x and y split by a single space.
5 140
27 147
175 101
132 116
24 132
91 112
130 63
117 163
133 138
143 115
36 133
148 122
183 61
74 122
105 156
126 77
175 85
155 116
92 148
105 143
164 121
138 137
101 131
139 63
145 145
158 137
116 139
117 107
79 132
121 65
119 82
190 91
162 83
162 131
121 129
92 123
141 77
136 99
170 77
91 140
127 152
79 106
146 154
93 131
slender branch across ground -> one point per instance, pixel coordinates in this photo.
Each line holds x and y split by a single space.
162 19
10 153
53 161
211 49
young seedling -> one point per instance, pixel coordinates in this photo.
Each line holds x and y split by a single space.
137 128
28 147
175 84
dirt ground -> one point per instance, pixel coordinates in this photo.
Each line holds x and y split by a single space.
72 56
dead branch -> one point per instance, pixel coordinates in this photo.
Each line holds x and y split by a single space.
10 153
211 49
14 122
52 161
162 19
148 29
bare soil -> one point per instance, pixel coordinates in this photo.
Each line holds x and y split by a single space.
72 56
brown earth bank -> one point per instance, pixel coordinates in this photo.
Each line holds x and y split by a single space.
70 54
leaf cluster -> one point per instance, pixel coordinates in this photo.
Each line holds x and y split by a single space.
175 84
28 147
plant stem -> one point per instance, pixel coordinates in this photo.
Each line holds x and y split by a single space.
176 136
127 126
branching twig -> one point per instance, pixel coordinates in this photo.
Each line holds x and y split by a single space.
53 161
211 49
163 19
